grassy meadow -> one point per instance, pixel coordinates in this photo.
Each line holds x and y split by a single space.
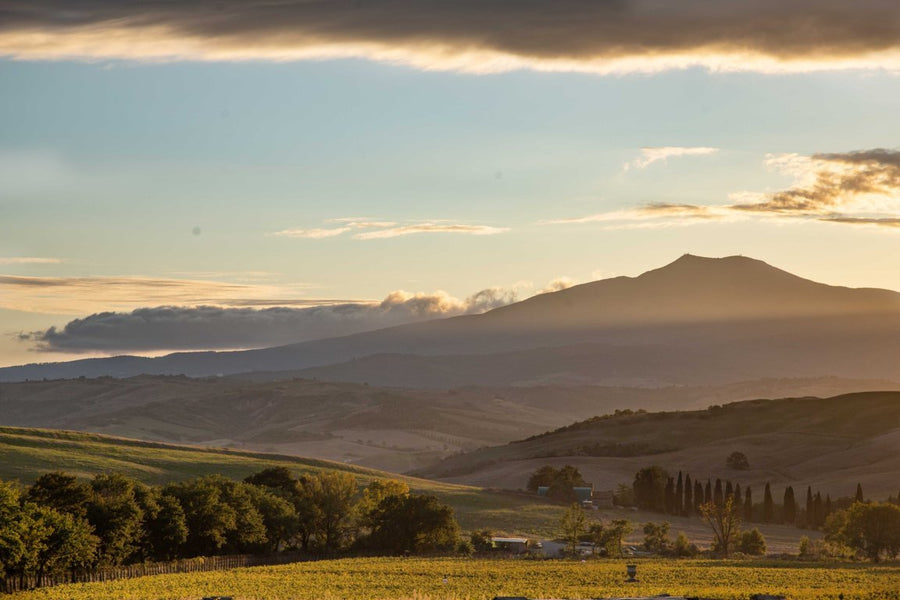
476 579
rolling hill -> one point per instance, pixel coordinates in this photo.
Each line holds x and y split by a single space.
25 454
392 429
831 444
695 321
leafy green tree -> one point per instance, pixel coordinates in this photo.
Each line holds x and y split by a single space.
752 542
116 516
872 529
482 540
566 478
650 488
543 477
614 536
332 494
656 537
725 523
278 516
207 516
573 524
278 478
373 495
414 523
165 528
66 541
13 527
60 491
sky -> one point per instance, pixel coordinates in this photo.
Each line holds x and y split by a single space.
213 175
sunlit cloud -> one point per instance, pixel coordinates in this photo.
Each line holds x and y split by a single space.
651 216
372 229
851 188
28 260
663 153
403 230
856 188
617 36
313 234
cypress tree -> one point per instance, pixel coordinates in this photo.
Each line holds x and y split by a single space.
748 505
707 493
790 506
827 506
809 507
768 505
679 495
819 510
698 496
859 494
688 495
670 495
729 490
738 499
717 494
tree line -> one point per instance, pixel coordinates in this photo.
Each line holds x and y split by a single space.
62 523
655 490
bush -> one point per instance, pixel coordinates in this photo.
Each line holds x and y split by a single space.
656 537
683 548
752 542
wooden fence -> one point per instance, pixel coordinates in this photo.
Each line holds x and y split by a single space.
16 583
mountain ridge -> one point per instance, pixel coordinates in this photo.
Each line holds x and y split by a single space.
696 303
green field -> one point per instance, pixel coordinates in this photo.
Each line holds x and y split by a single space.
25 454
422 578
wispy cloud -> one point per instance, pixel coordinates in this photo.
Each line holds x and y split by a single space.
372 229
28 260
663 153
652 216
851 188
80 295
313 234
402 230
613 36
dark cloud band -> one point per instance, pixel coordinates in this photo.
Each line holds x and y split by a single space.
603 35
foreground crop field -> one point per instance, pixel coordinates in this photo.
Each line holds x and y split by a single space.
457 579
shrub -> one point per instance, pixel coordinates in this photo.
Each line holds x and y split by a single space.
753 543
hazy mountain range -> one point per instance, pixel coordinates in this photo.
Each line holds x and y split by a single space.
695 321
